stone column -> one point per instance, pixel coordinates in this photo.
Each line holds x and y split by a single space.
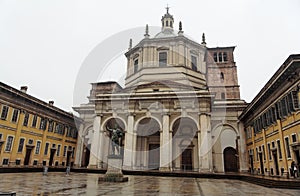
79 148
129 144
165 144
95 143
101 148
243 158
205 146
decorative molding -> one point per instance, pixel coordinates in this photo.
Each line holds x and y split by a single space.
32 133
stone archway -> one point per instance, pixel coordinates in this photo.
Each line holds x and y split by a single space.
230 160
148 144
184 145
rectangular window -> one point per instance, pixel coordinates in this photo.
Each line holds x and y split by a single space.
287 147
269 152
0 136
43 124
263 151
9 143
294 138
4 112
34 120
65 151
15 116
284 107
295 100
256 153
21 145
38 147
26 117
18 161
163 59
279 149
30 141
194 63
58 150
35 162
5 162
50 127
73 152
290 105
136 65
46 149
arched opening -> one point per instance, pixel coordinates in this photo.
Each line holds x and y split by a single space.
87 141
185 153
148 143
230 160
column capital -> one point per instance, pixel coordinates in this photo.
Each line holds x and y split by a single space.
131 114
166 114
204 113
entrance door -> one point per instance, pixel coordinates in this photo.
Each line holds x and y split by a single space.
261 163
52 153
27 156
69 153
276 162
153 162
251 164
186 160
230 160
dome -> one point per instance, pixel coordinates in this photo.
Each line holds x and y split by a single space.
166 33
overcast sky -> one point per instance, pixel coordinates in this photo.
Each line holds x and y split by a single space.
44 43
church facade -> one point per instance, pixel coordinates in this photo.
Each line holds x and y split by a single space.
178 110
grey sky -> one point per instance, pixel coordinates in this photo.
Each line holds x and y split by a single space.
43 43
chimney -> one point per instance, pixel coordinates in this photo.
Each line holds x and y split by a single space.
51 103
24 89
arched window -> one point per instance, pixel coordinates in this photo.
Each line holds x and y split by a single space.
171 24
222 76
167 23
215 57
220 57
222 95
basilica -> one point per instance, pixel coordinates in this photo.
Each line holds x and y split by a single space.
178 110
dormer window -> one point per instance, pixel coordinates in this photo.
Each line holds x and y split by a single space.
162 59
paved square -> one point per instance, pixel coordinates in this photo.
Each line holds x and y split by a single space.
87 184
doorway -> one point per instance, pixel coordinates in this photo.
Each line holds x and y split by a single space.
154 159
186 160
27 155
276 163
230 160
261 163
52 153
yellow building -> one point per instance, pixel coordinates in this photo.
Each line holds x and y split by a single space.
272 123
33 132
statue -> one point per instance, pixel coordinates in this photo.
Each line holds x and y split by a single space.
116 135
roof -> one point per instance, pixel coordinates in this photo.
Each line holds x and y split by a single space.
283 74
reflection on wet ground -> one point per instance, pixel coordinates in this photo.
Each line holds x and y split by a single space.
87 184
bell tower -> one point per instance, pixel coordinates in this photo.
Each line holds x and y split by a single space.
167 20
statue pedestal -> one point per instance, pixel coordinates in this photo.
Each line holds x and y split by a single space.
114 170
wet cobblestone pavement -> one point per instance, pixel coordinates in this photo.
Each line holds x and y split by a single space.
87 184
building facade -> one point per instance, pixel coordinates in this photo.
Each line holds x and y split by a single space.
33 132
178 110
272 123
